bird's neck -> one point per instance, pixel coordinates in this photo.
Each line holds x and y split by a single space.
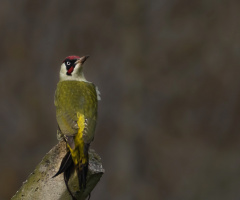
73 77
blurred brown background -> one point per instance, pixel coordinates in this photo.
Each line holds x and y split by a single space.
168 72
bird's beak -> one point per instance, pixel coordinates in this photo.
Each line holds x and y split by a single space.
82 59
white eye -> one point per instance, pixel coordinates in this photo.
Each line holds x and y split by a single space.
68 63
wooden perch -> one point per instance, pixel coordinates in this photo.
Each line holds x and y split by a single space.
41 185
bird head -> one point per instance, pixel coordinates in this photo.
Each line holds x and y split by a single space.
71 68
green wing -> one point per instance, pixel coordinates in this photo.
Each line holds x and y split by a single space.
74 98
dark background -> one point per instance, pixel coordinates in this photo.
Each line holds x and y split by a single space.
168 72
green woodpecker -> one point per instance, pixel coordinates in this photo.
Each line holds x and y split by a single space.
76 102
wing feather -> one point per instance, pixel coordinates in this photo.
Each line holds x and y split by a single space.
72 97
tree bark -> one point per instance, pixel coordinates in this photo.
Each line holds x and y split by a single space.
41 185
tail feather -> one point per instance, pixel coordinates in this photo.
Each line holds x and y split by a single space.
66 167
82 176
65 164
67 175
82 170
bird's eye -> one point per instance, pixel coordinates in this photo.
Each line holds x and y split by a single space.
68 63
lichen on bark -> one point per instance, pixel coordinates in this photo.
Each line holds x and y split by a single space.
41 185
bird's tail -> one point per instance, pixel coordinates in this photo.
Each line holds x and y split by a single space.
78 159
79 151
67 168
82 167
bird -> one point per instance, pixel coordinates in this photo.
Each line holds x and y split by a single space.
76 102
